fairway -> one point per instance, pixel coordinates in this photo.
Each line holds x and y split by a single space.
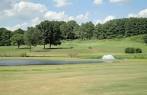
125 77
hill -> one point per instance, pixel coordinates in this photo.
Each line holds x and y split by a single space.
81 49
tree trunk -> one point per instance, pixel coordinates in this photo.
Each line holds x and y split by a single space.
30 48
50 45
44 46
18 45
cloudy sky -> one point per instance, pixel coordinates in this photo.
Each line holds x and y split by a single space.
23 13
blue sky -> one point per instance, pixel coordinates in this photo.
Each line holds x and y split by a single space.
23 13
120 9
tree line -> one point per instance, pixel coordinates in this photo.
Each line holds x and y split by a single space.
52 32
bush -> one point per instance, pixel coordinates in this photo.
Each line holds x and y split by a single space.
129 50
133 50
145 39
138 50
71 47
89 47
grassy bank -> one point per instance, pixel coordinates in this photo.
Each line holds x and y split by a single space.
81 49
127 77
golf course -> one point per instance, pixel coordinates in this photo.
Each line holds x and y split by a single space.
125 76
73 47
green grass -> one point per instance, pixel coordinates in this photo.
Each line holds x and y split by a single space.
126 77
82 49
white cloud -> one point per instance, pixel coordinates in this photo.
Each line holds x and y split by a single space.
61 16
24 14
98 2
22 26
51 15
82 18
119 1
35 21
6 4
23 11
106 19
132 15
62 3
142 13
25 8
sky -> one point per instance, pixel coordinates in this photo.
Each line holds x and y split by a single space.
16 14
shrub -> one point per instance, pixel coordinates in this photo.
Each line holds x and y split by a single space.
129 50
71 47
145 39
89 47
133 50
138 50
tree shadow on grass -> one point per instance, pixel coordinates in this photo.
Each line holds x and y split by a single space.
24 48
59 48
48 49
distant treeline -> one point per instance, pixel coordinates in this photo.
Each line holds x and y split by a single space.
52 32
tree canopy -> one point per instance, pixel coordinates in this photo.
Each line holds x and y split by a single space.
52 32
17 39
5 36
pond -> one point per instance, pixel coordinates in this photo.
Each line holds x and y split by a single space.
15 62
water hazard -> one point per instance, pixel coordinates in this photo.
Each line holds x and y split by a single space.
15 62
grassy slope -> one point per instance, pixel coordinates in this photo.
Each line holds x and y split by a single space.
128 77
82 49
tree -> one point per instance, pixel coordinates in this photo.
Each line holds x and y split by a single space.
19 31
64 30
17 39
50 31
99 32
54 34
119 28
87 30
72 25
5 36
44 27
68 29
31 37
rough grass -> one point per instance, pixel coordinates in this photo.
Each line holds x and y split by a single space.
127 77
